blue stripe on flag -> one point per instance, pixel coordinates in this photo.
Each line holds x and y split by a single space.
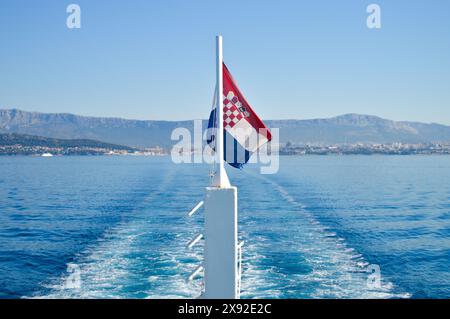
233 152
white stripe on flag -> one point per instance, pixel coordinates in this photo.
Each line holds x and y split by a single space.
247 136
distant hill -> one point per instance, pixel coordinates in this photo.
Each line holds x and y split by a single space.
23 140
349 128
357 128
132 133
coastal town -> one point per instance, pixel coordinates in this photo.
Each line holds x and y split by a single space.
28 145
366 149
287 149
45 151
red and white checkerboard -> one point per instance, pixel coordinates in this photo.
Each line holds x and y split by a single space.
231 113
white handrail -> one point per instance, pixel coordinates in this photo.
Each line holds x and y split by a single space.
192 212
239 274
194 240
195 273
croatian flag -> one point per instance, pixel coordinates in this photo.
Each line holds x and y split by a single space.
244 132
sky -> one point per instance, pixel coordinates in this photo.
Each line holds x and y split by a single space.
294 59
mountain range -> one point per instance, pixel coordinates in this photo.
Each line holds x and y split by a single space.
344 129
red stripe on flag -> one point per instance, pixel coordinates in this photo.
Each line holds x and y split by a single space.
230 85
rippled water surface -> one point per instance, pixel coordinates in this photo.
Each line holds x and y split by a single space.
310 231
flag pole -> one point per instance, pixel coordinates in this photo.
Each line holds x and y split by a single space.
221 251
220 180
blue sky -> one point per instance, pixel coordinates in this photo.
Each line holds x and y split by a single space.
292 59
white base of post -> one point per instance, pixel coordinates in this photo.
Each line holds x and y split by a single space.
221 260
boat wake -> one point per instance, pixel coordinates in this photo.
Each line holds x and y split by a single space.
298 257
288 253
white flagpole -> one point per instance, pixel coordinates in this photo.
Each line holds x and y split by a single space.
220 179
221 257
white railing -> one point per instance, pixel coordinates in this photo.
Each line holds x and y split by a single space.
194 241
195 209
200 269
239 268
196 272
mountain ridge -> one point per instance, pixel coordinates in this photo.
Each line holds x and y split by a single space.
346 128
345 115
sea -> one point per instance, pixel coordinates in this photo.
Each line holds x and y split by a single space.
321 227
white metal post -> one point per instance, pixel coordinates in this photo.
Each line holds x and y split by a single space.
221 256
220 179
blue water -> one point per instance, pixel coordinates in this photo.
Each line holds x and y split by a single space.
310 231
